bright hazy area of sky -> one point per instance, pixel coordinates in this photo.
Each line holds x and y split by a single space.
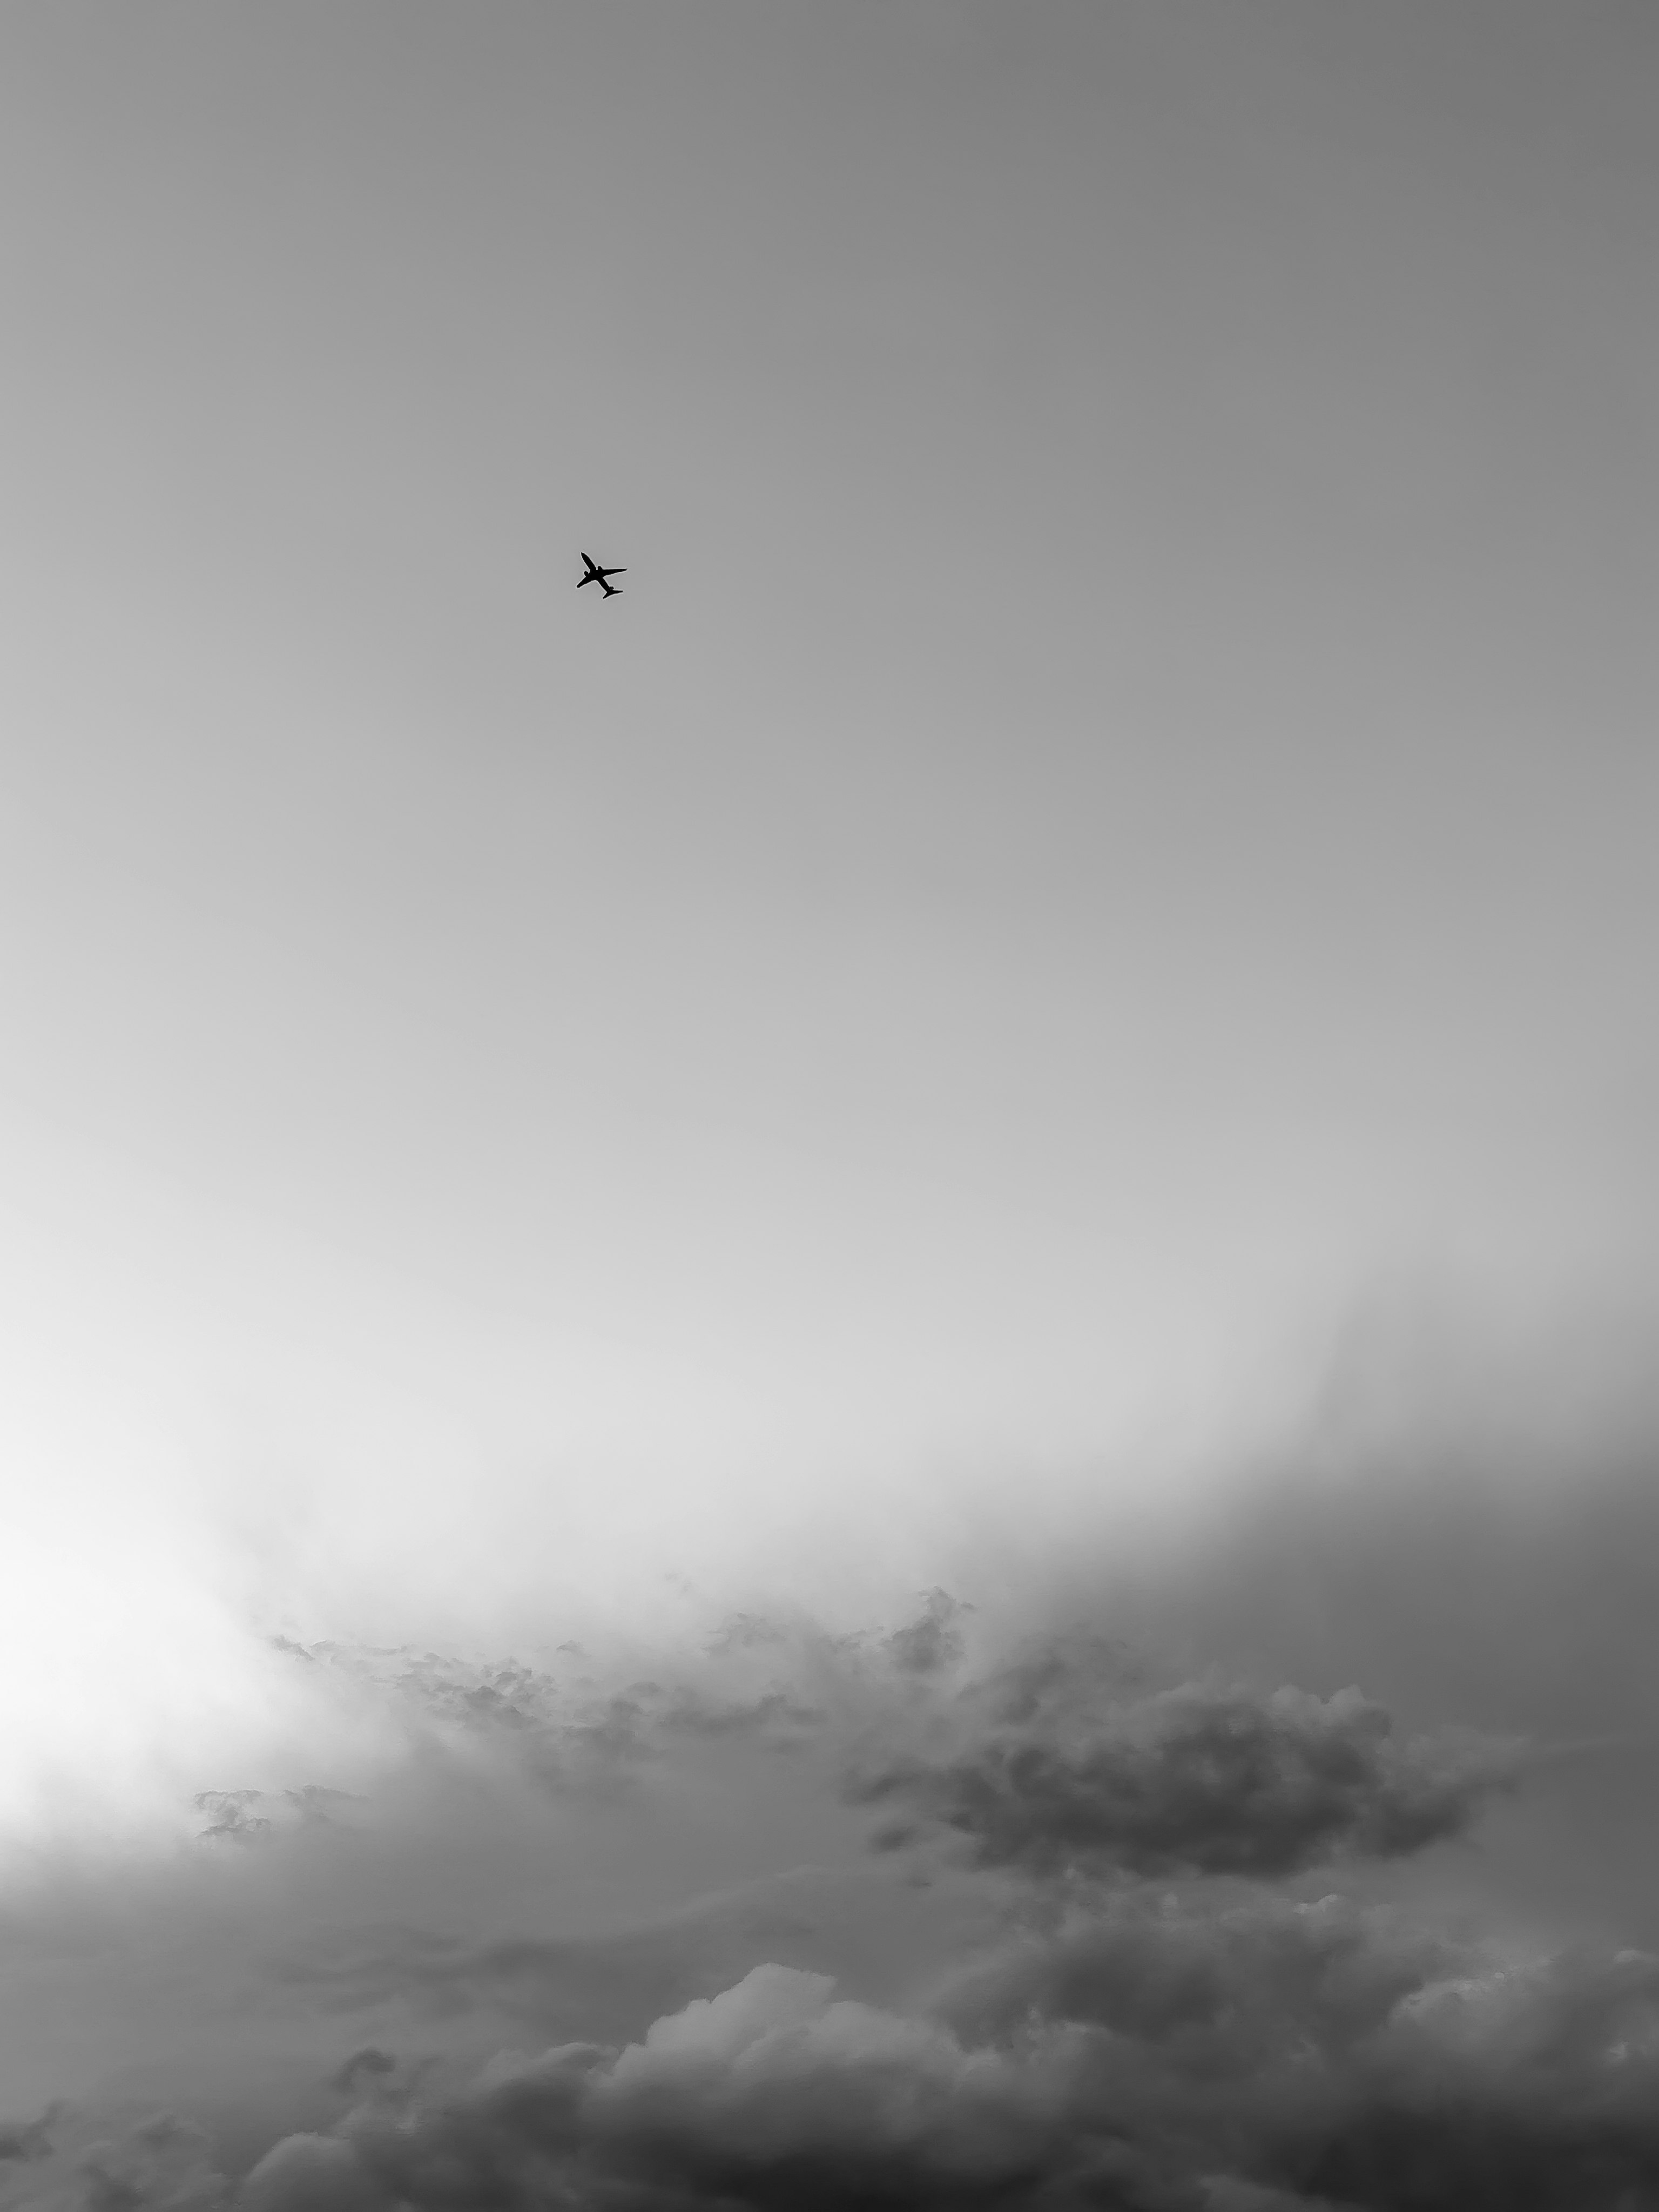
1114 816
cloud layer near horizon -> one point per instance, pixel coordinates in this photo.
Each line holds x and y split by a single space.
1134 1955
1149 2055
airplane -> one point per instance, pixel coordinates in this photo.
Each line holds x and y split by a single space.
601 577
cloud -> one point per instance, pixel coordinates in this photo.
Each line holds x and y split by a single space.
774 2092
158 2161
1216 2047
1115 1986
29 2138
580 1719
1154 2054
1064 1757
1058 1769
933 1640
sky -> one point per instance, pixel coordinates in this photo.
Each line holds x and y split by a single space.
1049 1015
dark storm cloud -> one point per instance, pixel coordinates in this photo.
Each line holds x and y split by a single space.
1067 1771
772 2093
1157 2053
1347 2052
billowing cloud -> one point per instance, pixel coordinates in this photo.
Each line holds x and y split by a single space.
773 2092
1054 1769
1153 2054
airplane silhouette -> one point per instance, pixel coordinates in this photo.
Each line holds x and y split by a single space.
601 577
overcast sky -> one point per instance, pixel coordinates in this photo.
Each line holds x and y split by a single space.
1099 871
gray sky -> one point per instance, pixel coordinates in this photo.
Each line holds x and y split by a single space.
1121 794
